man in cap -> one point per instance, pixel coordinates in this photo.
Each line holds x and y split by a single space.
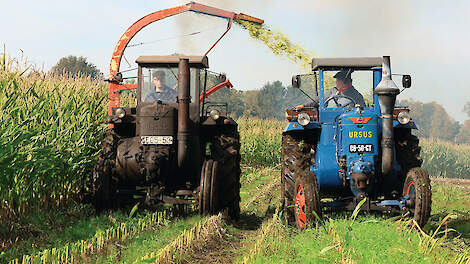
344 91
161 91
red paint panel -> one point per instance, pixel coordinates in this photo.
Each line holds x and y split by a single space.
360 119
215 88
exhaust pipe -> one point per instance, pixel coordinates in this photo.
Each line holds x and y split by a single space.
387 92
183 112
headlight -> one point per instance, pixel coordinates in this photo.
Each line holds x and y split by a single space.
303 119
120 112
403 117
215 114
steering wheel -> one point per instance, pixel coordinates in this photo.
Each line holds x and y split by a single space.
340 96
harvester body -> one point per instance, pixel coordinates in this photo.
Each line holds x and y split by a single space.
353 150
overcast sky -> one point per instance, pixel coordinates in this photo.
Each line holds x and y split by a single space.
428 39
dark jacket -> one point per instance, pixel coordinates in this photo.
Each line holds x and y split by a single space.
167 95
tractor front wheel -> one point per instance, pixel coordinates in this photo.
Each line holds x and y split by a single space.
417 189
307 206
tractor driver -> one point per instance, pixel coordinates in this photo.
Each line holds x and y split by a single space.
160 92
341 93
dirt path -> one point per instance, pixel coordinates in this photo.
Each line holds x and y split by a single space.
259 200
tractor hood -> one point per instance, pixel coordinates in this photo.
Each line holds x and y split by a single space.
358 145
357 128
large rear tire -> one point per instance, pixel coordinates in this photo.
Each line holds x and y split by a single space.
417 188
225 149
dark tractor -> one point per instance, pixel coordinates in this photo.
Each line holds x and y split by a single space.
170 148
352 144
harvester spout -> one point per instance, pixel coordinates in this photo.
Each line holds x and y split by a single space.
387 92
183 112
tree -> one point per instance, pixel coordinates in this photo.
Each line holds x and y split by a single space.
466 109
432 120
464 133
271 101
76 66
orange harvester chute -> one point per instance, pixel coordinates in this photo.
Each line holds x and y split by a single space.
114 84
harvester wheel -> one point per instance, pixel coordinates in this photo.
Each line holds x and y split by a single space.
418 188
307 198
294 150
225 149
103 183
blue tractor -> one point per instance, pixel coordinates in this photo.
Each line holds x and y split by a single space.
352 143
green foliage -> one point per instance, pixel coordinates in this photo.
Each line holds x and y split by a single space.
50 128
278 43
261 141
444 159
464 133
76 66
74 251
270 101
432 120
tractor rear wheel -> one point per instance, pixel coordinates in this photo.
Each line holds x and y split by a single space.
417 188
225 149
307 198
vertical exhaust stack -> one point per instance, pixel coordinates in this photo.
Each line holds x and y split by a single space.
183 112
387 92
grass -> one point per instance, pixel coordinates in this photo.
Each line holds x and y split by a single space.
368 239
262 235
139 246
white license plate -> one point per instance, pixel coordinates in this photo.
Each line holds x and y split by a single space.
361 148
156 140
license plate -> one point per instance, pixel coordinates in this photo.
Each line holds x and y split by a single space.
361 148
156 140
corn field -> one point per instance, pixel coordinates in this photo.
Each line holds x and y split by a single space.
50 129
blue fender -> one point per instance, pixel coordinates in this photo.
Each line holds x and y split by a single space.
294 126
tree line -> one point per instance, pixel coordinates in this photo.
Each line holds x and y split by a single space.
273 98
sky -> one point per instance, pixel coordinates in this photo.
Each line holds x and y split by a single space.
428 39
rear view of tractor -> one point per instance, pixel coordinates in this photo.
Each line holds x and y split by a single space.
173 147
351 144
165 150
